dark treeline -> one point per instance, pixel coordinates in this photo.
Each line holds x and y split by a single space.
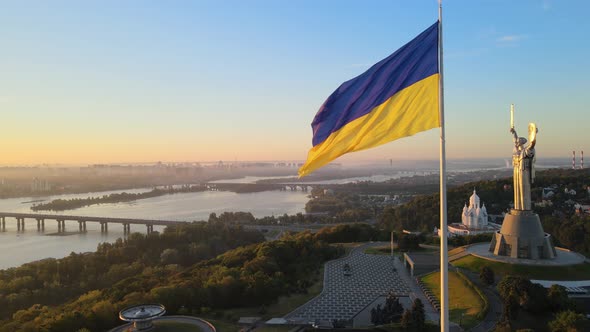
422 213
54 281
569 229
352 233
550 307
157 268
569 232
347 216
330 201
241 188
341 205
75 203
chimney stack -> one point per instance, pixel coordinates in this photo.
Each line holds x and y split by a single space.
574 159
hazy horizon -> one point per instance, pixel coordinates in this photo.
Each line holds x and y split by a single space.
562 161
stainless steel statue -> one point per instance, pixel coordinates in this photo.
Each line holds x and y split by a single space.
522 235
523 159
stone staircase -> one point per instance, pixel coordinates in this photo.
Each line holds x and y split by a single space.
429 295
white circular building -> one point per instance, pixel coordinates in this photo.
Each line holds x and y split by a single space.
142 315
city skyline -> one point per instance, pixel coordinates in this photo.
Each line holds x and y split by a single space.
89 83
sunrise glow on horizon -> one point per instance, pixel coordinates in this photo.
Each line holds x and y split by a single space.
144 81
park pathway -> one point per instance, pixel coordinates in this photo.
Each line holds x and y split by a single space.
495 303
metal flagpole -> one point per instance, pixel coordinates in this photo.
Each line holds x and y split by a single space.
444 258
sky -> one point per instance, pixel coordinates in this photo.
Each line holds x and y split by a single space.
145 81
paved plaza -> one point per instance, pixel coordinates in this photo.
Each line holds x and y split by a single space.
344 296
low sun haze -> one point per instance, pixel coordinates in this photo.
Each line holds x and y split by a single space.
140 81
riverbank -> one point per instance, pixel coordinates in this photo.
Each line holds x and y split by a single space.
76 203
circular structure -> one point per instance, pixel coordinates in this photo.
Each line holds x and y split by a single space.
142 315
563 257
522 236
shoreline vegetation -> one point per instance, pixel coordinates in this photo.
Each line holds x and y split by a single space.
75 203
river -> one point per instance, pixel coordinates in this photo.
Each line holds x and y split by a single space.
19 248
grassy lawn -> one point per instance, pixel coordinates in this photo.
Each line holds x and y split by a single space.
462 299
283 328
382 250
223 326
271 234
287 304
571 272
348 245
174 327
395 327
386 250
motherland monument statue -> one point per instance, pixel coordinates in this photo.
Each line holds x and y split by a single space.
523 161
522 235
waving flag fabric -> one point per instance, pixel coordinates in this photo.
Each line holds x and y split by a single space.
395 98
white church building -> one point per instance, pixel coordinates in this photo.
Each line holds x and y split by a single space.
474 220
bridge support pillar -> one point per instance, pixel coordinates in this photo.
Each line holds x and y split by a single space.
150 229
104 227
3 220
40 224
126 229
61 226
20 224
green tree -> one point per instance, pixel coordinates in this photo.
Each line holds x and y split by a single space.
418 315
406 320
170 256
568 321
558 299
408 242
389 313
486 275
414 318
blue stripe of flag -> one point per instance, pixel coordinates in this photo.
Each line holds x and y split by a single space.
357 97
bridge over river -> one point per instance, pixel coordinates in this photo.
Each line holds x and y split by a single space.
82 220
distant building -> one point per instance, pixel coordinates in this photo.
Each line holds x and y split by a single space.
474 219
582 208
548 192
40 185
328 192
544 203
571 192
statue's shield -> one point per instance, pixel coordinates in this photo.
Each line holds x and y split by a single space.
532 132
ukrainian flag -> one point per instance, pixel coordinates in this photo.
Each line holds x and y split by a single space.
395 98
